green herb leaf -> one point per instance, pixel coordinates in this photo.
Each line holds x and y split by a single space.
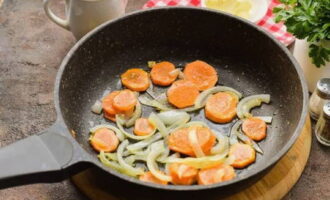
319 54
310 20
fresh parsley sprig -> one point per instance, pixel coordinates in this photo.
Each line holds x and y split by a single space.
310 20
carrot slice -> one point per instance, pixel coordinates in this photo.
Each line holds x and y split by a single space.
104 140
254 128
124 101
244 155
107 103
182 94
182 174
221 107
161 74
203 75
178 140
136 79
149 177
110 117
216 174
143 127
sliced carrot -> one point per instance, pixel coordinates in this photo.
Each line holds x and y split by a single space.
244 155
127 114
110 117
107 103
178 140
182 94
182 174
254 128
124 101
136 79
216 174
104 140
161 74
143 127
203 75
221 107
149 177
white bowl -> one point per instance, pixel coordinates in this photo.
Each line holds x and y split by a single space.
257 12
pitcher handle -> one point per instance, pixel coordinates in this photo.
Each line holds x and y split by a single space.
59 21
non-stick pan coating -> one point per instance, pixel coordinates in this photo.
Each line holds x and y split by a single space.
244 56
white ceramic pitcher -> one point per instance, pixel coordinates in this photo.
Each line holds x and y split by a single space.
84 15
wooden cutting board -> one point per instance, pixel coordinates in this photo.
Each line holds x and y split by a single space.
275 185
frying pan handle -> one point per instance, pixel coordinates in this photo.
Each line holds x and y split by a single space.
45 157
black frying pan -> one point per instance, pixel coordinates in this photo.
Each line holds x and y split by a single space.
245 57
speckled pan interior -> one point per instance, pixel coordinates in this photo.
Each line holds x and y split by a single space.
245 58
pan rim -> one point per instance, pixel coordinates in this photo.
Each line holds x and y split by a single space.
253 173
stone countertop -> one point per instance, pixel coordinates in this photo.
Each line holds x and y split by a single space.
31 49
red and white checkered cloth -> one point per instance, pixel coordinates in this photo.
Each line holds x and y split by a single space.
267 22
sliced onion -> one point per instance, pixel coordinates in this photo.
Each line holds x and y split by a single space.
200 163
181 75
144 143
201 99
267 119
175 72
120 122
111 156
153 103
162 98
137 114
172 116
175 155
230 160
127 169
179 123
162 105
108 163
223 144
196 123
130 159
193 140
189 124
97 107
191 109
119 134
164 155
233 132
151 63
249 141
155 120
157 149
150 91
247 103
